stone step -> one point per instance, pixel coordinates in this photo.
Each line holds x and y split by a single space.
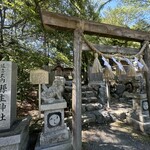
68 89
98 116
86 100
88 94
88 118
83 88
91 107
88 88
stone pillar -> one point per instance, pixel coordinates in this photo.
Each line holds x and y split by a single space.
13 133
8 81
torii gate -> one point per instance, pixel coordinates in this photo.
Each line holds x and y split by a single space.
78 26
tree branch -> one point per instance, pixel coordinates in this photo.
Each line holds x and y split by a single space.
102 6
13 25
76 7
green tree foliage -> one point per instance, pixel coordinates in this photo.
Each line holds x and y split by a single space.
19 39
24 40
142 6
142 25
132 14
127 14
138 2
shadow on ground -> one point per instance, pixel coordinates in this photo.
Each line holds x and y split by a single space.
116 136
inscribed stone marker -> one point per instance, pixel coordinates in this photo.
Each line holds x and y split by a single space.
8 91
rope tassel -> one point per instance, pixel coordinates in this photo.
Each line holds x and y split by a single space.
108 73
145 68
139 64
131 69
96 68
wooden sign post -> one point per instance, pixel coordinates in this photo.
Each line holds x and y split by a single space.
39 77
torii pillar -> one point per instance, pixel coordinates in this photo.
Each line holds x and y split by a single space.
76 92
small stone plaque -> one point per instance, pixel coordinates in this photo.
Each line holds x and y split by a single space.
53 120
145 105
39 76
8 85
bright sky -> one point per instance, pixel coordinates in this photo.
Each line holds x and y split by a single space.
111 4
114 4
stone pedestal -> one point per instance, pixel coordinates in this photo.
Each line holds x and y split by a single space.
16 138
55 134
139 116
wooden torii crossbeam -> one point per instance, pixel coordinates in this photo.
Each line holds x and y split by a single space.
89 27
58 21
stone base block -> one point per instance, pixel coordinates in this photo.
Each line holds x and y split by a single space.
142 126
60 140
65 145
17 137
57 104
54 137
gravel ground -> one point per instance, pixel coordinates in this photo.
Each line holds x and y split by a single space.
115 136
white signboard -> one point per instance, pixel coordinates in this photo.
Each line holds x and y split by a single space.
39 76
